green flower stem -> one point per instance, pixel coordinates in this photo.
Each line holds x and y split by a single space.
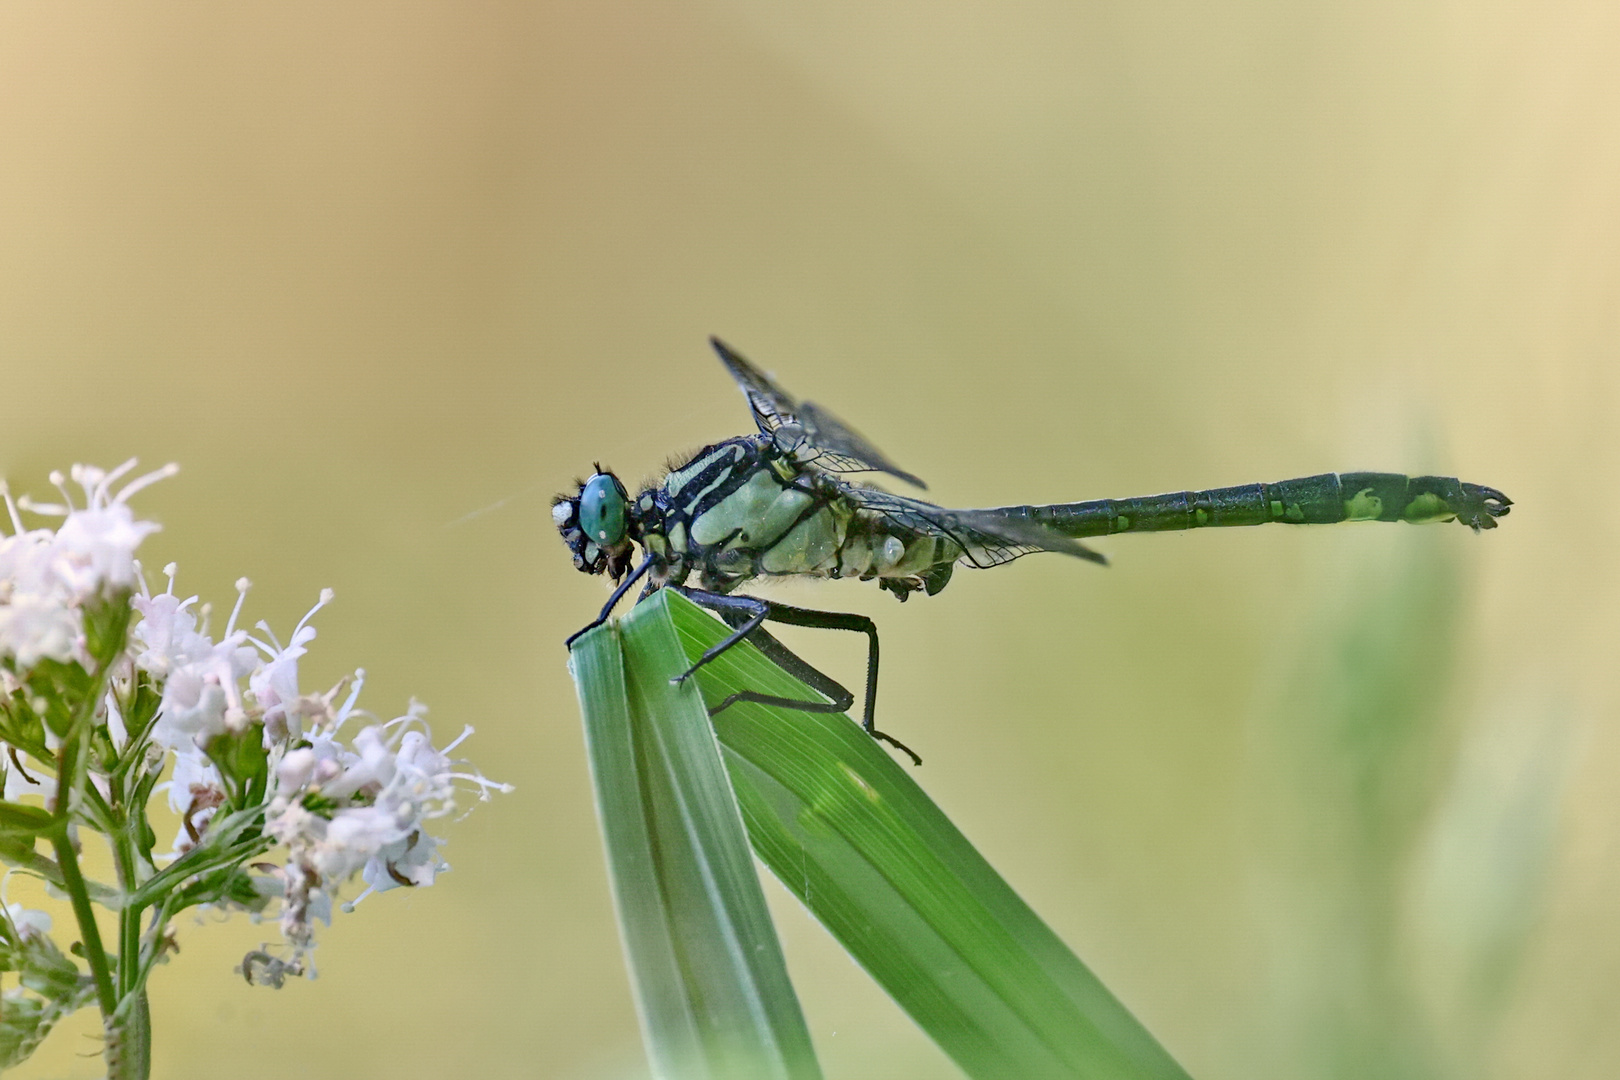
79 895
129 915
149 960
128 1049
129 949
69 758
128 861
129 1031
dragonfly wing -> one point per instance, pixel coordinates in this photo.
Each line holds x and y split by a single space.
773 407
987 537
808 433
843 449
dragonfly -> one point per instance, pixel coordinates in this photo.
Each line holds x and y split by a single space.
788 501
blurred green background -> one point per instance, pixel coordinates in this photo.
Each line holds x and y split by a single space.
1332 802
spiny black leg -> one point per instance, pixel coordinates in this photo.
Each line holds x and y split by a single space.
743 614
746 613
607 609
790 662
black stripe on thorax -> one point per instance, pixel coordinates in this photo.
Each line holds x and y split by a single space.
733 463
713 463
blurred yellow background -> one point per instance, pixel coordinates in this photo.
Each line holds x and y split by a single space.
363 269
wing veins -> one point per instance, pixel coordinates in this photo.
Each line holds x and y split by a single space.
810 435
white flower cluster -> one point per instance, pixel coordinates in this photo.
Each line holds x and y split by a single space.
47 575
342 810
338 809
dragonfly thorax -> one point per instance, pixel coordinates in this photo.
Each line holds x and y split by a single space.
744 509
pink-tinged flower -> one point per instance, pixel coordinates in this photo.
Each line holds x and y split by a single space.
26 922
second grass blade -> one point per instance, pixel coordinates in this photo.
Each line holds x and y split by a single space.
864 848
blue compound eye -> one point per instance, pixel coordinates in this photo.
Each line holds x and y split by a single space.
601 510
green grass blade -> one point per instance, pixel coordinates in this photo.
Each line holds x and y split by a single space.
850 833
710 982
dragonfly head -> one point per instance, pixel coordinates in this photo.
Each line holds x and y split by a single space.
595 525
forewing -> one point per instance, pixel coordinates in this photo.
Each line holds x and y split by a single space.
839 443
773 407
987 538
808 433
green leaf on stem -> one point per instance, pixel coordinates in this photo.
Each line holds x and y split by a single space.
65 690
50 987
20 823
106 627
243 763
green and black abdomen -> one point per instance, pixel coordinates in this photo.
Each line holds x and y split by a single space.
1310 500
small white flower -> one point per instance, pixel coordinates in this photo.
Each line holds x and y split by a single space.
46 577
33 780
195 703
356 835
166 636
201 692
371 765
25 558
195 781
414 860
295 769
28 922
196 794
37 625
94 547
342 810
275 683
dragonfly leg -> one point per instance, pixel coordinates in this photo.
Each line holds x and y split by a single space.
746 614
613 601
793 664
